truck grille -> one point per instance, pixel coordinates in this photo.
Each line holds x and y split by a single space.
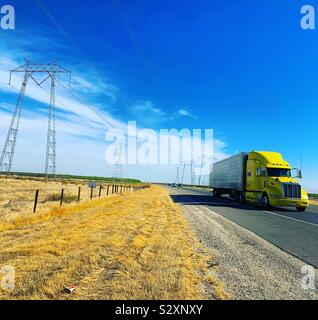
291 190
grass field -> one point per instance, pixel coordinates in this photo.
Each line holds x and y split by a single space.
69 177
17 194
131 246
313 197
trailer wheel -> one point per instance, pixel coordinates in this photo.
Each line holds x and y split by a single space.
265 201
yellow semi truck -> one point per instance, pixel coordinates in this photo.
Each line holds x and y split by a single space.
259 176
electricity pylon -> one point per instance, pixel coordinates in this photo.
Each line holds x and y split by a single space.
178 175
183 170
119 169
192 174
203 159
9 146
30 69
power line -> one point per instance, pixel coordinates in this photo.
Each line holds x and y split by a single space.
66 122
89 106
70 110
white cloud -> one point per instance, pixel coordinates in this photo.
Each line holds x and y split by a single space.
94 86
80 128
184 112
147 113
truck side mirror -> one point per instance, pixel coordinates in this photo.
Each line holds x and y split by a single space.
299 174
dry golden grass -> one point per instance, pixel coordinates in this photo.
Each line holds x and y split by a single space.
131 246
17 194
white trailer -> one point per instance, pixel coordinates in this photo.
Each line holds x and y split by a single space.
228 176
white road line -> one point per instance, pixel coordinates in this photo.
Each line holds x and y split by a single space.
279 215
272 213
316 212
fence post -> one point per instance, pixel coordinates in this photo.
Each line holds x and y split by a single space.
92 190
36 200
100 191
62 195
107 190
79 194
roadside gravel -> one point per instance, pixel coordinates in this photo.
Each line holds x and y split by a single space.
249 266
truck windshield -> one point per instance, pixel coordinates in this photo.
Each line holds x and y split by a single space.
277 172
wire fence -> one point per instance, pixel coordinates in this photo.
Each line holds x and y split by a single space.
66 196
24 197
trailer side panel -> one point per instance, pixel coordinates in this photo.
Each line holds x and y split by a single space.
229 173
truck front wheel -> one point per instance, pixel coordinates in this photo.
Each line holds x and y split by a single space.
265 201
301 209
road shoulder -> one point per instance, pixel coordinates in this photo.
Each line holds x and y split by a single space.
249 266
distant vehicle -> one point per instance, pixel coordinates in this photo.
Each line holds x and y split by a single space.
263 177
176 185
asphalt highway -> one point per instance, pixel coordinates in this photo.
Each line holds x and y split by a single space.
292 231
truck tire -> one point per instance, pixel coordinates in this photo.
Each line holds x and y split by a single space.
301 209
265 201
241 197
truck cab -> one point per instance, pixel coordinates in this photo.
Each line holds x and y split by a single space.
269 181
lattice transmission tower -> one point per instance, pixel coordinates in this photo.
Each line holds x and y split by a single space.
119 168
30 70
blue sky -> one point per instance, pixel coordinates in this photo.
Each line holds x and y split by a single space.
243 68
